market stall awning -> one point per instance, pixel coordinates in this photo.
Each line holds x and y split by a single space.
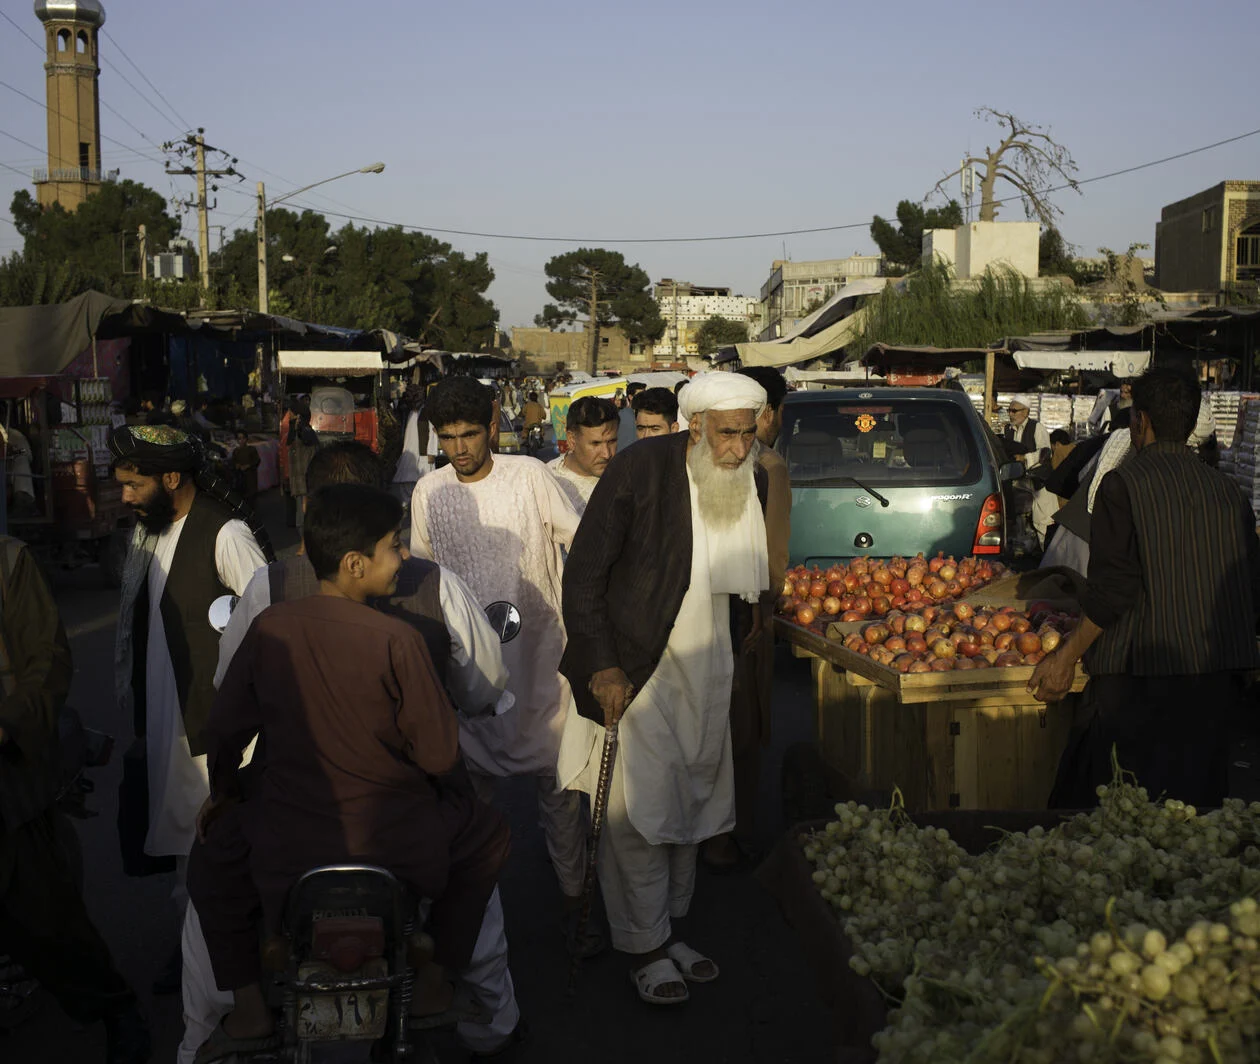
45 339
885 356
1120 364
330 363
804 348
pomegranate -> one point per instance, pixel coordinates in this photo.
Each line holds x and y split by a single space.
814 603
786 604
895 642
943 648
964 663
938 589
916 644
899 586
805 615
1001 621
789 586
963 611
801 589
1028 643
902 662
954 588
1004 641
920 666
1009 659
875 633
896 621
862 604
936 563
970 649
943 665
882 576
915 623
831 605
848 616
1050 640
835 588
990 655
914 575
880 605
851 582
947 571
1034 658
1020 624
818 589
915 594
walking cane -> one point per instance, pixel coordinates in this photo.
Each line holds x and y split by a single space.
598 813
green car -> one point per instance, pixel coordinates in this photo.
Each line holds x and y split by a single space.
884 471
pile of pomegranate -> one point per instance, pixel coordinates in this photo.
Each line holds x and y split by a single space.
943 639
869 588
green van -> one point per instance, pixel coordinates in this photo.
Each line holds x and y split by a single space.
884 471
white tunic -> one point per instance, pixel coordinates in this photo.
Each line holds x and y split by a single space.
577 487
674 741
178 782
503 536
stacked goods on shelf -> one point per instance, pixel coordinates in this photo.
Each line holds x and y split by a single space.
1243 462
1225 410
1082 407
1056 412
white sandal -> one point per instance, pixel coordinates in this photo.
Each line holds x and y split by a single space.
651 977
686 959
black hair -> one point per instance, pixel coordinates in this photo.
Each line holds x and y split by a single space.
1170 398
341 518
771 380
459 399
533 397
681 385
1060 436
344 462
657 401
634 388
590 412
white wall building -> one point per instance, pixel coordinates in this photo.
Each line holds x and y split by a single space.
686 306
973 248
794 287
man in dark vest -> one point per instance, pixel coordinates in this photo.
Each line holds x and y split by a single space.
1025 438
44 925
1169 616
465 653
661 592
193 543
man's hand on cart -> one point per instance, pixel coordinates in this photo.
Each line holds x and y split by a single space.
1053 677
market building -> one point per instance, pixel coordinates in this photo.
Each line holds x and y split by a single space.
73 69
686 306
546 351
1210 242
794 287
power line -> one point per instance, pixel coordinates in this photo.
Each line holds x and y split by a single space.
125 147
184 123
760 236
25 143
5 16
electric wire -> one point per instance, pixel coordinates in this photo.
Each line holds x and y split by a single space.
776 233
40 103
184 124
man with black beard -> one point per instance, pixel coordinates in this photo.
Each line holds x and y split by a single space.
661 591
190 547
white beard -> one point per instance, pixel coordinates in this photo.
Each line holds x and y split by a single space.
723 493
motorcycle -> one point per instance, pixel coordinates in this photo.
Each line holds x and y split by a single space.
342 967
80 749
534 439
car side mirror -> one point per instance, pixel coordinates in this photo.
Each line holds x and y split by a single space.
505 619
1011 471
221 612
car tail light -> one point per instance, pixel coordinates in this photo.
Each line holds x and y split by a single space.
989 528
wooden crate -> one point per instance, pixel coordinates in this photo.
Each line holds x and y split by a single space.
994 751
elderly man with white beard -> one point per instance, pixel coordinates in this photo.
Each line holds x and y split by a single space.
662 579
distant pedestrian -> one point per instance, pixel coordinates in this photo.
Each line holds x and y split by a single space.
591 430
302 444
626 433
245 463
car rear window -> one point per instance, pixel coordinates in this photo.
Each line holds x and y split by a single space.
890 442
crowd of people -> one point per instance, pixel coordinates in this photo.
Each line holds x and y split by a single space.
359 706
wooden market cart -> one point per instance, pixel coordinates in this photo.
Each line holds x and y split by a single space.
949 740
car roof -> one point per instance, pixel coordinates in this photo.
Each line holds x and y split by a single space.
877 395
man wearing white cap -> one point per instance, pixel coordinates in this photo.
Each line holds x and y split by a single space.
1025 435
665 569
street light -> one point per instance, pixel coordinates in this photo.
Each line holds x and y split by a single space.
261 226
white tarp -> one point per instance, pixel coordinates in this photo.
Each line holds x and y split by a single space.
803 349
1118 363
331 363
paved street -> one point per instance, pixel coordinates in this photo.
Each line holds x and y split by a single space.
762 1011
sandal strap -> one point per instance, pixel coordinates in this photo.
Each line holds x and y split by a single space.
658 974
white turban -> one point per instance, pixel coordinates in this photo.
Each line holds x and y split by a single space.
719 390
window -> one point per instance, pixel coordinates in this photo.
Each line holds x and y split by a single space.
85 156
63 40
1247 255
1209 219
81 43
899 442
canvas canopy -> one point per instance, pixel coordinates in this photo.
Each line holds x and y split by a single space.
330 363
44 340
835 325
1120 364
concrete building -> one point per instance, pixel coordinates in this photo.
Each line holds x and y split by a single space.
686 306
794 287
74 110
973 248
1210 242
545 352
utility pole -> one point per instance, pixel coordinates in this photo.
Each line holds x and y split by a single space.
673 332
196 146
261 226
144 254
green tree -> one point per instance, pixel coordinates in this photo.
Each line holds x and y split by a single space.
718 332
902 244
601 285
96 246
1054 254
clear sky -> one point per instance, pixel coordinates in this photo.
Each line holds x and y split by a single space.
656 119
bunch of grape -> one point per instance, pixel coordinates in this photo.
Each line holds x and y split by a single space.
999 956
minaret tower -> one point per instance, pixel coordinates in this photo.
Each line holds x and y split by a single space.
74 108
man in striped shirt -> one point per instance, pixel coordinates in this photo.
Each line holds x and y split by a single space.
1169 615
